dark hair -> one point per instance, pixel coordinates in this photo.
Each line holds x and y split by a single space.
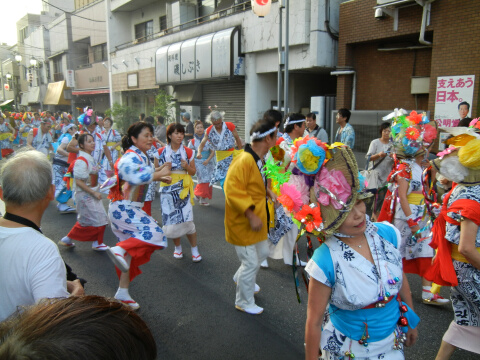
81 138
171 129
142 116
71 328
464 103
160 119
108 119
149 119
293 116
273 115
312 116
134 130
262 126
345 113
383 126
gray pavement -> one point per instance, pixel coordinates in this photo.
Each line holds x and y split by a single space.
190 307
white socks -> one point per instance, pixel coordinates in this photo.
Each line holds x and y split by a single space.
178 249
123 294
194 251
66 240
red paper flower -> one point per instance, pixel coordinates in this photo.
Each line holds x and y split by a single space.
412 133
310 217
415 118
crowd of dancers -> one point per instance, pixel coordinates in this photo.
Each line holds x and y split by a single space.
278 187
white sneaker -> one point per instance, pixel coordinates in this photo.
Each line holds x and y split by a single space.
68 210
254 310
264 264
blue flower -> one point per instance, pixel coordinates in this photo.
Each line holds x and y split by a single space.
128 221
128 232
121 207
127 169
117 214
145 220
147 235
146 228
131 213
158 229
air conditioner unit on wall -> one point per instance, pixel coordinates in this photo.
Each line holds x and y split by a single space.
420 85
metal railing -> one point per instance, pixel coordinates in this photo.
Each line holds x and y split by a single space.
238 8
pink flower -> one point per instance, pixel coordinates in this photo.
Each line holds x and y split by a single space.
430 134
299 182
291 198
336 183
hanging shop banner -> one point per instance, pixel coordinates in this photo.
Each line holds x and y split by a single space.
451 91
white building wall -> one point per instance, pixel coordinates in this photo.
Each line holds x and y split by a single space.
84 28
58 35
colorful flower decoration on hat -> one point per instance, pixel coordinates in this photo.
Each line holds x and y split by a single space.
276 174
475 124
335 182
309 155
278 153
412 133
429 134
290 197
311 217
410 148
415 118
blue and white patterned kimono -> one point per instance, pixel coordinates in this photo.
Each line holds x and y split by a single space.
5 144
152 187
126 216
221 142
466 295
111 136
355 284
175 210
204 172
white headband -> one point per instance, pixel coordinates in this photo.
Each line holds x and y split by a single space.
257 135
288 121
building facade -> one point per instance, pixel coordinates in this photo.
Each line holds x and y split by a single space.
208 53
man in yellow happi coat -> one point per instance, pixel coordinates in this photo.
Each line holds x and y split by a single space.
246 214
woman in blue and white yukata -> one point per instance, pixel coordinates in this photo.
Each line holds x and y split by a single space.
176 199
222 137
205 166
139 235
358 293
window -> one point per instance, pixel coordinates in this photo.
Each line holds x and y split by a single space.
57 68
23 34
144 31
163 22
100 53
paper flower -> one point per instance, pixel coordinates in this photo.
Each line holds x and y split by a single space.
278 153
412 133
430 133
410 147
363 182
447 151
311 217
290 197
276 174
310 157
336 183
415 118
396 129
299 182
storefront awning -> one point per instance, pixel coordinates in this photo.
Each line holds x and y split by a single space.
55 94
91 92
34 95
6 102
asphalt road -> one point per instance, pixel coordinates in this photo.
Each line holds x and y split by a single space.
190 306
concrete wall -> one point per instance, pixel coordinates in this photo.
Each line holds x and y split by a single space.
58 35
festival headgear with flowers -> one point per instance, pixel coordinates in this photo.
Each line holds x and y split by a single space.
322 188
411 134
87 118
460 162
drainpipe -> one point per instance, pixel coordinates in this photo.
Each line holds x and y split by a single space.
354 86
426 9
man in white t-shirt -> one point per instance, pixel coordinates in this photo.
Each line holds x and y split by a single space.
31 267
41 139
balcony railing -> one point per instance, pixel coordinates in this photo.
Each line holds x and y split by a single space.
244 6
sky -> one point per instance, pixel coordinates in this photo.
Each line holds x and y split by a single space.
12 11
